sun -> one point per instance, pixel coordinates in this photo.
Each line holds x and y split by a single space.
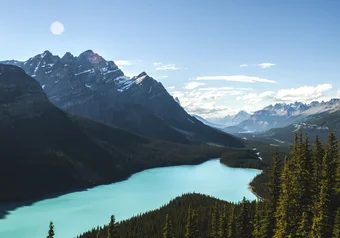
57 28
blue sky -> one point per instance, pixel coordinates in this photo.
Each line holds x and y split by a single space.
199 45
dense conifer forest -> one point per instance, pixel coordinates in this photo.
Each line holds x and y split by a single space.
302 199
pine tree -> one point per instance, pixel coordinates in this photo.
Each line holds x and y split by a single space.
168 228
188 230
195 226
231 222
257 231
112 229
51 231
222 224
243 224
213 233
303 229
326 204
318 154
284 209
330 170
272 198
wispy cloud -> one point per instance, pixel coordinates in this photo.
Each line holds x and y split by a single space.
157 63
243 65
203 101
171 87
193 85
237 78
122 63
163 77
266 65
301 94
168 67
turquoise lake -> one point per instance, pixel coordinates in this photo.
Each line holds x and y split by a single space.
78 212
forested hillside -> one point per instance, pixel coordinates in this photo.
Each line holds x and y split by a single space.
302 200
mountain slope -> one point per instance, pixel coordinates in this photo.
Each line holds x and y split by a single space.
43 150
90 86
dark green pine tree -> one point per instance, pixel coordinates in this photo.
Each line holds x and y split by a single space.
304 183
195 225
232 222
168 228
320 223
284 209
222 224
304 228
51 231
330 172
112 229
327 203
257 222
213 233
336 226
98 234
272 198
188 228
318 154
244 228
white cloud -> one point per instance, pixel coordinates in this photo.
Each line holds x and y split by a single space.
306 93
157 63
337 94
122 63
168 67
171 87
243 65
301 94
266 65
237 78
204 101
163 77
193 85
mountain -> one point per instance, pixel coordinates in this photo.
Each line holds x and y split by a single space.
232 120
282 114
46 151
315 125
88 85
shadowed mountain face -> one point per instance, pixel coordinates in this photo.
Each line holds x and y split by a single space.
90 86
43 150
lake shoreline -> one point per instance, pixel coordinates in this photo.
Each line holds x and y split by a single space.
6 208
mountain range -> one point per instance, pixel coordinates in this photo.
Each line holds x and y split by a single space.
87 85
281 115
231 120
